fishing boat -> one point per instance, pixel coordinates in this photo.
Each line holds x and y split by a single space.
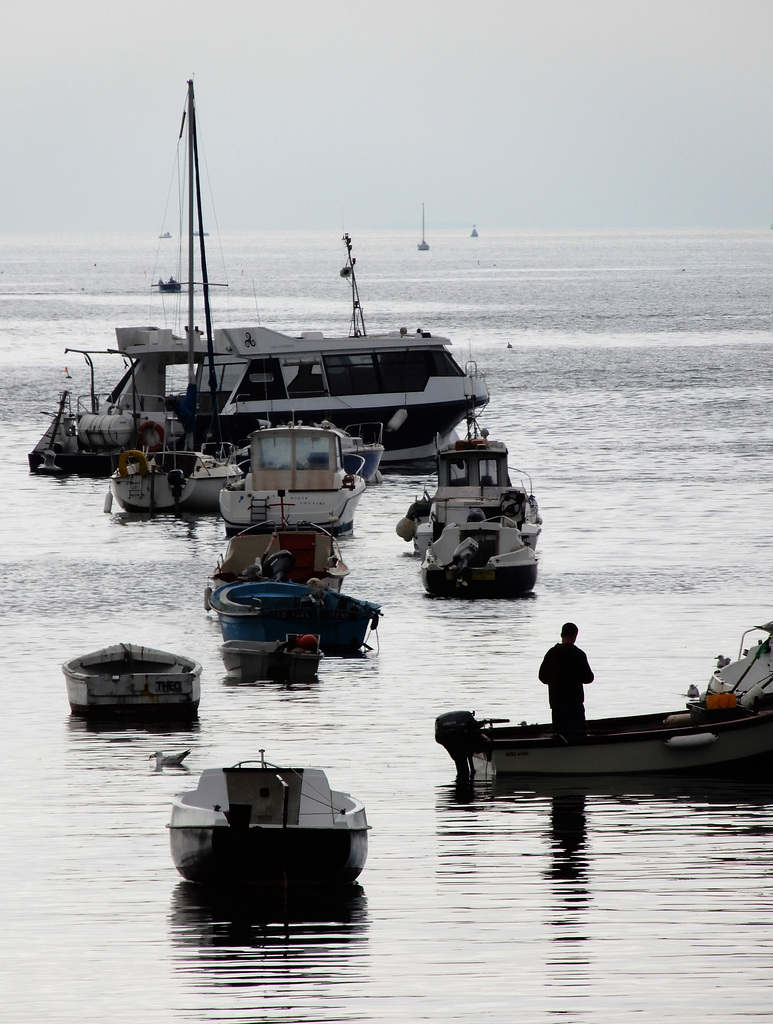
296 475
407 381
268 611
176 476
132 680
423 245
266 552
258 824
477 535
726 732
165 234
294 660
169 286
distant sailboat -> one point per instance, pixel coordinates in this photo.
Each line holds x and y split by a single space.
474 233
423 244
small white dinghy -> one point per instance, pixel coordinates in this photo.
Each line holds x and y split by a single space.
128 679
294 660
257 824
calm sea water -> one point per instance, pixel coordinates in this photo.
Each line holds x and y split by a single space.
637 395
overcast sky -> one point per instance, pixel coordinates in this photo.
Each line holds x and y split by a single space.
556 114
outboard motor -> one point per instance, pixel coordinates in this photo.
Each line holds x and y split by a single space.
176 480
459 733
279 565
461 558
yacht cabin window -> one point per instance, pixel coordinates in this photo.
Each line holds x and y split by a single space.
304 378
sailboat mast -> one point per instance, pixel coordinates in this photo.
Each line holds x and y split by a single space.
215 421
191 343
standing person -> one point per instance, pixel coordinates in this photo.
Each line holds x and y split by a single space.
565 670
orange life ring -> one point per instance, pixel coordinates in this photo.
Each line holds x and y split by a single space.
147 427
348 481
138 457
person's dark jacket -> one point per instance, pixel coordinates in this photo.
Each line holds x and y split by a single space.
565 669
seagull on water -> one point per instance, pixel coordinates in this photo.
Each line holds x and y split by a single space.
169 760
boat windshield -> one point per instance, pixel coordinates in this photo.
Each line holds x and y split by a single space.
294 452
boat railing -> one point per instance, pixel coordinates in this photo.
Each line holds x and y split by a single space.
126 403
221 451
368 433
359 469
511 472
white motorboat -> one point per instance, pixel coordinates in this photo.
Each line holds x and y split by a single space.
294 660
477 535
296 476
727 732
258 824
132 680
172 480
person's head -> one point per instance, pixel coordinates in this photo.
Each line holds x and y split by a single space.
569 633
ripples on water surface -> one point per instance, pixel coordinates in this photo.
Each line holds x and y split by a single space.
637 394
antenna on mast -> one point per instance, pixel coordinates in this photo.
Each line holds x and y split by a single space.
357 325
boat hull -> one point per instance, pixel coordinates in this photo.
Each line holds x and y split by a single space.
269 611
94 464
642 745
132 681
486 581
199 494
249 661
268 855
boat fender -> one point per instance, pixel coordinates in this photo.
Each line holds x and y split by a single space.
151 427
207 599
691 741
406 528
131 454
348 481
397 420
680 718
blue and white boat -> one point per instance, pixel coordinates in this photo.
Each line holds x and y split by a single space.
267 611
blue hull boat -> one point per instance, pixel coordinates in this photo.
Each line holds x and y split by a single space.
268 611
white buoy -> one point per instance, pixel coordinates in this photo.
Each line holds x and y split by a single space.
108 506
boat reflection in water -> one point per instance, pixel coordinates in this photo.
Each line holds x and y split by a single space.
312 929
594 822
